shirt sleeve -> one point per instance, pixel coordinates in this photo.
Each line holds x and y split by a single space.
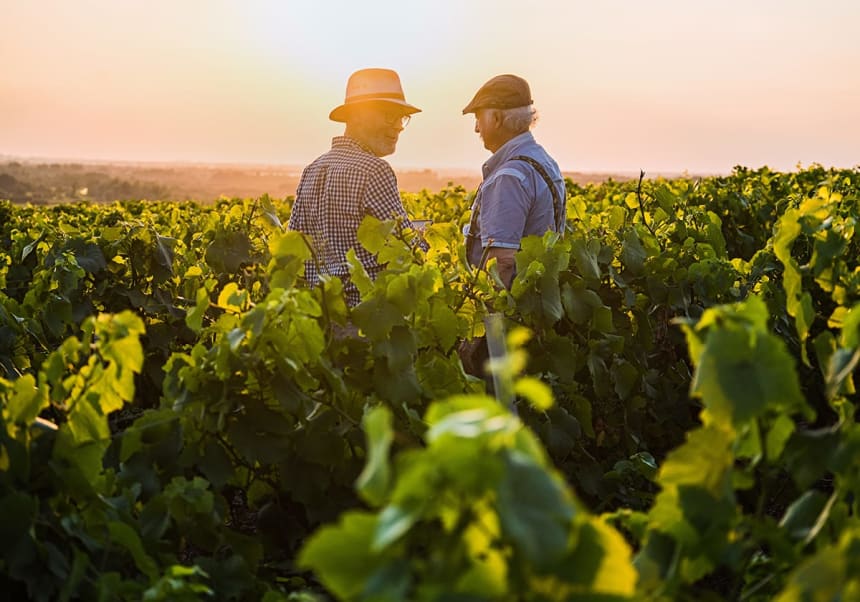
504 209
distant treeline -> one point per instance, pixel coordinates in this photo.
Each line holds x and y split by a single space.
52 183
61 183
49 183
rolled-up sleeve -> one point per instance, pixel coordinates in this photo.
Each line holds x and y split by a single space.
504 209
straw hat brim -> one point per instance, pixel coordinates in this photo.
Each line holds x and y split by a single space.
341 112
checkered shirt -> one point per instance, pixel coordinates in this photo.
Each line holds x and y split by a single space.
335 193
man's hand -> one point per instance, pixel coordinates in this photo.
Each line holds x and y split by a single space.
504 262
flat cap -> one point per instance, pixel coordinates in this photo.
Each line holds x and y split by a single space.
502 92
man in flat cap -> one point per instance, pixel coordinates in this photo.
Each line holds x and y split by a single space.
523 191
352 180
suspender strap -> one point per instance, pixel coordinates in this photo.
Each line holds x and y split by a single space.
557 203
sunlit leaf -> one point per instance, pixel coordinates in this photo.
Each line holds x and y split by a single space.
373 482
535 391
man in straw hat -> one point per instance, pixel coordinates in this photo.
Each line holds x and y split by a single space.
523 191
351 180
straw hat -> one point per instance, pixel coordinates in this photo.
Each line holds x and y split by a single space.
367 85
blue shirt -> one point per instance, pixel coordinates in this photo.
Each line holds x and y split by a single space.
514 199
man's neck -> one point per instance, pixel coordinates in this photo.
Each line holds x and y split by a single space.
503 140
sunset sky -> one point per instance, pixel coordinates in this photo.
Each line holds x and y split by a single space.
663 85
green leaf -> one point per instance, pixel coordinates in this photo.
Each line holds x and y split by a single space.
803 317
471 423
633 254
657 560
443 321
179 583
579 304
216 464
288 245
341 554
840 369
778 435
79 462
535 511
748 443
798 303
625 378
88 255
25 401
389 583
550 295
377 317
742 371
585 254
615 217
358 274
803 513
374 481
164 252
331 293
18 511
270 212
235 338
601 563
289 253
645 464
229 251
394 521
86 421
232 297
705 460
128 538
824 345
80 563
826 575
126 353
850 336
29 247
602 319
261 434
195 314
372 233
536 391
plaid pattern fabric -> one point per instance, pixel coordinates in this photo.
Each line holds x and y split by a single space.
335 193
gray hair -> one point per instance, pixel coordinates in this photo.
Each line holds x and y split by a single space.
519 119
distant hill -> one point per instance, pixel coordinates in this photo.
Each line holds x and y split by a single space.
55 182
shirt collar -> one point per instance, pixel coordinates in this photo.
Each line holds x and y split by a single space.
347 142
506 151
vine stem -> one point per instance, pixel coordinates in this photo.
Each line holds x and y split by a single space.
642 208
737 587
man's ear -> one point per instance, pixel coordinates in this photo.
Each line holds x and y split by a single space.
357 115
497 117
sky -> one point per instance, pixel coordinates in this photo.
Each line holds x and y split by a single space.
619 85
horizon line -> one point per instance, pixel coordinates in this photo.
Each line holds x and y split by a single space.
250 164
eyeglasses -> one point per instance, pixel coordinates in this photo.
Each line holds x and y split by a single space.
397 119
